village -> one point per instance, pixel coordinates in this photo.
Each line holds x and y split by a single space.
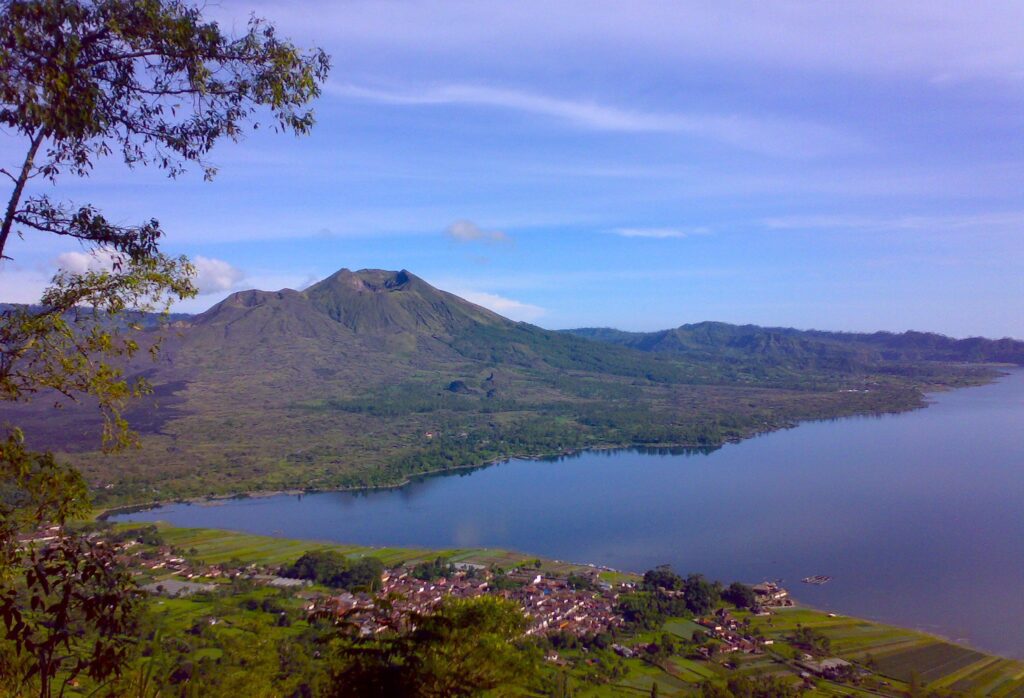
580 603
551 603
580 615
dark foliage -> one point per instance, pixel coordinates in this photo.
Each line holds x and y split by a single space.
740 595
336 570
72 612
433 569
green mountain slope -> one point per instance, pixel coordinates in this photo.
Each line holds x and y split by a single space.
369 377
810 348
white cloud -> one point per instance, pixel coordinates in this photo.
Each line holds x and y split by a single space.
81 262
768 135
661 233
215 275
468 231
509 307
212 275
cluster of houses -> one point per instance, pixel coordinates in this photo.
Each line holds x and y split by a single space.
731 633
550 603
770 594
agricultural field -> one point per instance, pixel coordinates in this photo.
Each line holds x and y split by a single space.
901 657
894 661
891 661
215 546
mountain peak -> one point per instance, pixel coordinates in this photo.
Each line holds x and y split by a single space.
368 301
369 280
377 300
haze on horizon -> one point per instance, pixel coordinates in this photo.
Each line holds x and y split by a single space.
854 167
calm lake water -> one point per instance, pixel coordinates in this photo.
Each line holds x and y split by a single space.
919 517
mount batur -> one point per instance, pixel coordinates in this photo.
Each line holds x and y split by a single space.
369 377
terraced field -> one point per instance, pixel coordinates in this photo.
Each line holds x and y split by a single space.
899 656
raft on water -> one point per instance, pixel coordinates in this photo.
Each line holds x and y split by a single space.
817 579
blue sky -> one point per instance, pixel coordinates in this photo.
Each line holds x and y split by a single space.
640 165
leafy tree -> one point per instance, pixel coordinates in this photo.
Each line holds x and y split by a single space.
700 594
662 577
74 614
433 569
333 569
154 83
740 595
811 640
316 565
751 687
466 647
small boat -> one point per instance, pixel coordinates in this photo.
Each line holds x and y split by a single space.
817 579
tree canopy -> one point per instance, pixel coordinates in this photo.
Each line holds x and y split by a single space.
336 570
150 80
152 83
465 647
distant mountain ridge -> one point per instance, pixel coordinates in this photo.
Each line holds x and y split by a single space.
368 377
372 301
146 320
810 347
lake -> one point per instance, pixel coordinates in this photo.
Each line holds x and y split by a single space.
918 517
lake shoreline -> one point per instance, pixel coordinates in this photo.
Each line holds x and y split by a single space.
214 499
635 509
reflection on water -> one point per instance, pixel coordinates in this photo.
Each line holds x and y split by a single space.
917 517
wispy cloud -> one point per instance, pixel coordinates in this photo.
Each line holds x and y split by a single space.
661 233
992 220
468 231
509 307
913 37
767 135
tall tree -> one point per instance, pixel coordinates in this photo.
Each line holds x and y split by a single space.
464 648
152 83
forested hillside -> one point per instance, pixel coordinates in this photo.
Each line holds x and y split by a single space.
782 346
368 377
